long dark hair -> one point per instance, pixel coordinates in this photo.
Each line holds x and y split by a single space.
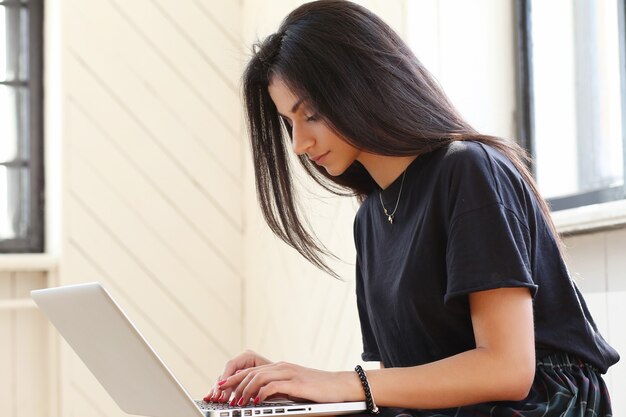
368 86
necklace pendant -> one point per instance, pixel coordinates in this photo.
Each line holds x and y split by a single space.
390 219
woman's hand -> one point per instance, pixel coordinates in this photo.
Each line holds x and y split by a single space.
294 382
246 360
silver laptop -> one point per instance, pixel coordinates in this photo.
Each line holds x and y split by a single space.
129 369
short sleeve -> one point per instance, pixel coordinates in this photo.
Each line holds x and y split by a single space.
489 242
487 248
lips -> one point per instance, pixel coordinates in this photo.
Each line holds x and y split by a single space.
319 159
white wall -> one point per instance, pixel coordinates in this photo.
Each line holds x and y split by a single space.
152 189
24 348
469 48
597 263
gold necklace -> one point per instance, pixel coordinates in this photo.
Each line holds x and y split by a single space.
380 196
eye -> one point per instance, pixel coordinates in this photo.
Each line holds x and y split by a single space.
313 118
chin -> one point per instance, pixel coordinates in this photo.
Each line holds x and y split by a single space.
334 172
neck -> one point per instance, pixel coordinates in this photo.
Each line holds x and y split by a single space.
385 169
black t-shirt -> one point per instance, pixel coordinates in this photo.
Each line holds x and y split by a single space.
466 221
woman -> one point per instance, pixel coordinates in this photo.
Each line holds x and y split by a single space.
462 291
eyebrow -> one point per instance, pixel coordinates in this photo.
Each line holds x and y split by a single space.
294 108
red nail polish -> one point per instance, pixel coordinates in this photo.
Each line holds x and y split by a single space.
233 402
240 402
257 400
222 382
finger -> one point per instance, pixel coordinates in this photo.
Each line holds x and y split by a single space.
211 394
240 380
231 367
215 394
214 391
247 359
243 361
225 396
283 388
245 379
251 385
234 380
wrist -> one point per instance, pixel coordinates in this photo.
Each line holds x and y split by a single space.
351 387
372 408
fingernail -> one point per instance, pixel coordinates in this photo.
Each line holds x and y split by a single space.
233 402
257 400
240 402
206 399
222 382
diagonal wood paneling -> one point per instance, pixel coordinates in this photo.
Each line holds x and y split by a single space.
169 145
198 75
222 53
153 189
157 167
157 217
176 353
158 68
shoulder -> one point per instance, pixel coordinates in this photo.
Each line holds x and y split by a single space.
462 157
474 174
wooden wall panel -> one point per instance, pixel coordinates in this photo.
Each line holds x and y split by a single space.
153 189
24 365
31 350
7 348
616 306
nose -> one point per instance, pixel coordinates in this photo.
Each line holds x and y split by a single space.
301 139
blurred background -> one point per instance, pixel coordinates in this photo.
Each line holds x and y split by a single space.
124 160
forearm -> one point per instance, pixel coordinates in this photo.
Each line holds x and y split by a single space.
475 376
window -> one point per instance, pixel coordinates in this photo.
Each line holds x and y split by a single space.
572 78
21 126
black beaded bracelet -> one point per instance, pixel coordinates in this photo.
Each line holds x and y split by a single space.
369 398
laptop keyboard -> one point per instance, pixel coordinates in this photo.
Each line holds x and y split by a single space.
241 410
214 406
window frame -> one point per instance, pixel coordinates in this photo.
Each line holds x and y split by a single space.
525 104
33 242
